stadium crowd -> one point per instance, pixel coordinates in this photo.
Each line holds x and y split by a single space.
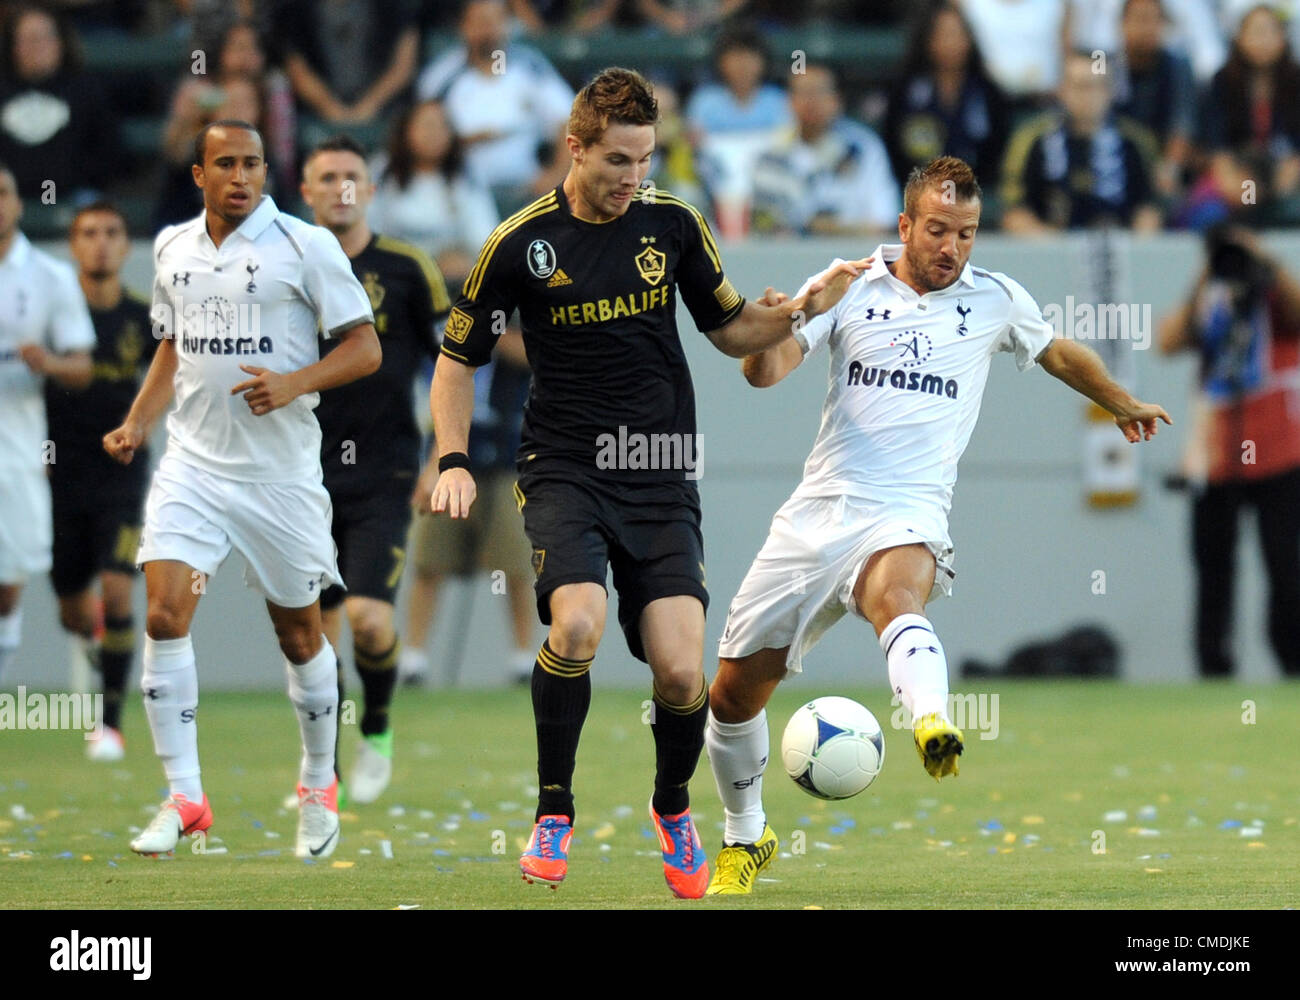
793 119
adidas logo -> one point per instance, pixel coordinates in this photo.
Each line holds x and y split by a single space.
559 278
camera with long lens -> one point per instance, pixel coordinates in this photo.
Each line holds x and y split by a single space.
1231 261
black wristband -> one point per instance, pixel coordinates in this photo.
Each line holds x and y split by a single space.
453 460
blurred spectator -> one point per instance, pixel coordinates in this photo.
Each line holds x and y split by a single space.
1191 27
424 196
944 102
1080 166
1251 121
734 120
196 105
1022 44
348 60
684 17
1243 319
54 124
577 17
828 174
1154 87
673 165
507 104
209 21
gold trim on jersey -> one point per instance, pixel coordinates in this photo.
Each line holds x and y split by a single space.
432 274
726 295
547 203
662 197
520 499
452 354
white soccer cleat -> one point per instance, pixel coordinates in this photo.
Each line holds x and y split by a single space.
177 818
108 747
318 821
373 768
412 666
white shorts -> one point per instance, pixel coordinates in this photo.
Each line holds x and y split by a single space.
281 529
26 524
801 582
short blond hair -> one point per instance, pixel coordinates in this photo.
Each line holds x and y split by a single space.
616 96
939 173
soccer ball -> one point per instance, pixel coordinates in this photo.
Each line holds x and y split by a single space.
833 748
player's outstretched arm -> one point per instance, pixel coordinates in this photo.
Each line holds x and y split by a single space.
451 402
1080 368
758 326
154 395
768 367
357 355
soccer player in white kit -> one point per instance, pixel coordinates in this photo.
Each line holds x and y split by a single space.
45 331
866 531
238 293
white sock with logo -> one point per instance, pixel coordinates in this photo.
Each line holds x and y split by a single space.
11 635
738 755
314 691
170 683
918 670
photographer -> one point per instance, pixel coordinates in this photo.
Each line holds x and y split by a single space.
1243 318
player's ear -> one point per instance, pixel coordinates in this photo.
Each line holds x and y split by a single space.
197 172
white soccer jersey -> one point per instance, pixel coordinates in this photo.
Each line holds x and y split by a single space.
40 303
907 373
255 300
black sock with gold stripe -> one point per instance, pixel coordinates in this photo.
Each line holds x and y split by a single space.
378 679
115 654
561 697
679 738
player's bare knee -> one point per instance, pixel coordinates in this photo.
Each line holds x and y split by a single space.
76 621
678 684
8 600
298 644
732 700
372 632
163 621
576 633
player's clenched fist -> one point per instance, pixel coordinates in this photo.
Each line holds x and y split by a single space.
123 442
829 287
454 493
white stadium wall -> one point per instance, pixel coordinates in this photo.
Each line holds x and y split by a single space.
1027 545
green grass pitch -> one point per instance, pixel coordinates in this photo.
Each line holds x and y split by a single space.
1092 795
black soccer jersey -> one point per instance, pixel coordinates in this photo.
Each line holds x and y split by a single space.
369 437
79 418
598 305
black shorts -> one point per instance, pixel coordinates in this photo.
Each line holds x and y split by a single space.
94 531
370 532
649 533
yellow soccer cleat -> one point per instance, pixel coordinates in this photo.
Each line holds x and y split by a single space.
737 866
939 743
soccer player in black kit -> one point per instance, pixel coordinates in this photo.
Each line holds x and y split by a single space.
98 503
595 268
370 445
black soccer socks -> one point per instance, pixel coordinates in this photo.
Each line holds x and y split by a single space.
561 697
679 738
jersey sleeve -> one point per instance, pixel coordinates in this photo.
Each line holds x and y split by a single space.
430 304
70 327
817 331
333 290
710 297
1027 333
486 302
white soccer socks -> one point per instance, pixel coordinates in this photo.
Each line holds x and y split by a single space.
11 635
738 753
170 683
918 670
314 691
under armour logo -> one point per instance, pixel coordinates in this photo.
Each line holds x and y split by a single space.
917 649
250 267
180 278
316 715
151 694
963 310
871 313
311 585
